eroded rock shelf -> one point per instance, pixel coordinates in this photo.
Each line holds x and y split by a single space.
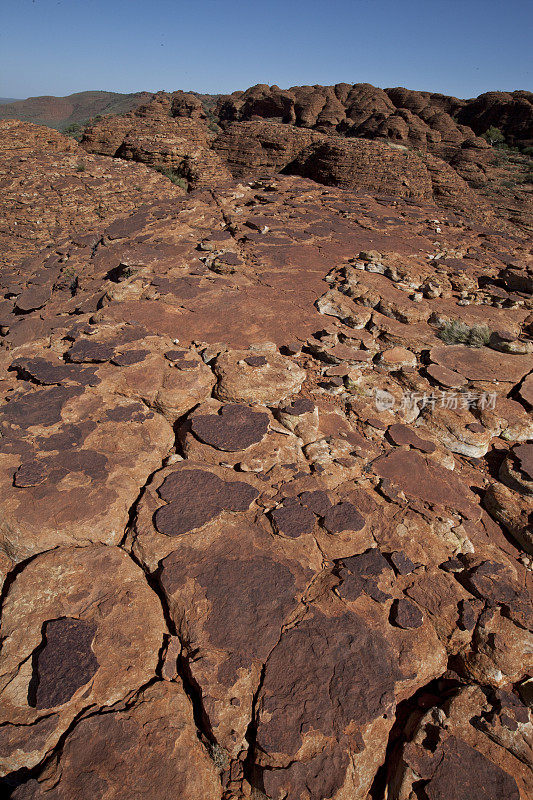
265 508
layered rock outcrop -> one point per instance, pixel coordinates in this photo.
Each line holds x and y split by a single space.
52 188
435 127
168 133
423 119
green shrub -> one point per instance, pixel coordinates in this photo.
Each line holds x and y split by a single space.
173 175
80 167
494 136
219 756
457 332
75 131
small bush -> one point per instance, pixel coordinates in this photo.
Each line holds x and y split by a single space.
494 136
457 332
219 756
80 167
75 131
67 281
173 175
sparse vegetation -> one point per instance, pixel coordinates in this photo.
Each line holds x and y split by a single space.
220 757
80 167
212 123
68 280
173 175
458 332
494 136
75 131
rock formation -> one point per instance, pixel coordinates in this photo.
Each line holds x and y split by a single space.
426 120
265 463
51 188
168 133
317 132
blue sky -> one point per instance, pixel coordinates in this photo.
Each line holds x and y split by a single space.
459 48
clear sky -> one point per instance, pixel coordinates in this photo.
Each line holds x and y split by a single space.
458 47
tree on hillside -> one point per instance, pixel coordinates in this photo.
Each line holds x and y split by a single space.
494 136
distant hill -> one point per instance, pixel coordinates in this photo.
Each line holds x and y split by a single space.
60 112
8 100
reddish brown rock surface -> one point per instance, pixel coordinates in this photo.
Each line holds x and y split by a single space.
168 133
52 188
265 516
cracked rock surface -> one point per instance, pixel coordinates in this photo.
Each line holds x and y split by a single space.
265 528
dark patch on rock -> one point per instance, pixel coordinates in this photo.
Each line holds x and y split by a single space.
89 350
512 704
129 357
90 462
464 772
255 361
404 435
402 563
343 517
292 519
32 473
317 501
174 355
42 407
324 674
231 259
467 615
475 427
405 614
235 428
63 663
70 436
196 496
492 582
135 412
524 454
452 565
45 372
182 363
317 777
369 564
302 405
351 585
508 723
359 574
249 597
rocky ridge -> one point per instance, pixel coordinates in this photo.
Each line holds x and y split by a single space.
266 512
393 141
